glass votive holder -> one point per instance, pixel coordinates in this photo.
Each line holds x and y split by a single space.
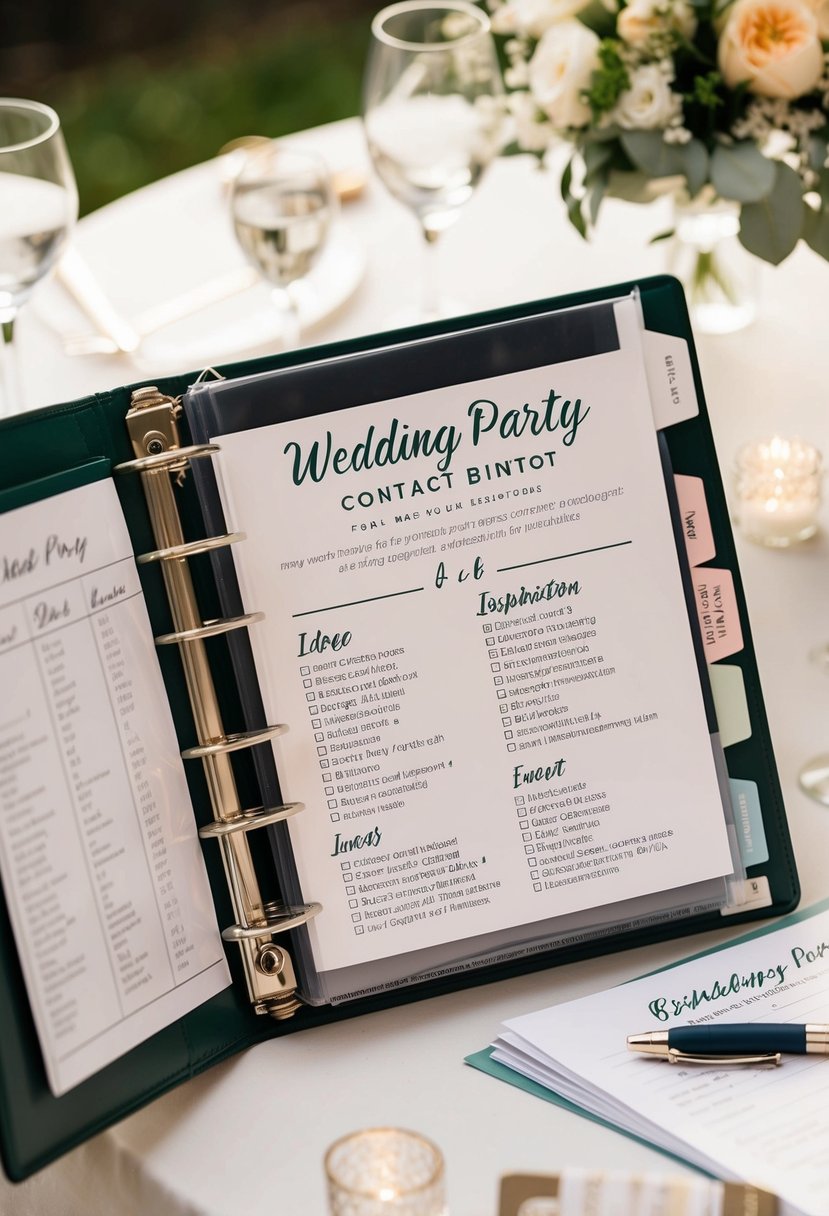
777 488
385 1171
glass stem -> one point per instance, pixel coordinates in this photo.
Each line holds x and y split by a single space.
284 301
430 297
10 396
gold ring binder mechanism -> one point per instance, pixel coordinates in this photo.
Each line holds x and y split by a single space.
152 422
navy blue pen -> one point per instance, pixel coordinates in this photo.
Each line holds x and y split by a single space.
732 1043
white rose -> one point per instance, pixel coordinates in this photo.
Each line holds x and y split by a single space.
534 17
642 18
650 103
560 70
773 45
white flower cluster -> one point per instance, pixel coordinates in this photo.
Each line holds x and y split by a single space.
772 47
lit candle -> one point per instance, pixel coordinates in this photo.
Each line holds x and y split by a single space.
778 486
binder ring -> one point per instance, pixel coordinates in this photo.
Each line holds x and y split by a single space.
248 821
234 742
167 460
210 629
191 549
291 918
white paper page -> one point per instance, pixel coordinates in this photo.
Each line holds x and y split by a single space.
476 631
769 1126
101 866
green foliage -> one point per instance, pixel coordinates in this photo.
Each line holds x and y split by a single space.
131 121
609 81
741 172
772 227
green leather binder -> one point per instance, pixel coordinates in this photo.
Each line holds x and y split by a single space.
58 446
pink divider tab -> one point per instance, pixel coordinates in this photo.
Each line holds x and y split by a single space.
696 522
719 617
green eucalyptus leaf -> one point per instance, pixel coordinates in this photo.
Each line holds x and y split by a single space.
694 159
817 152
573 204
596 157
741 172
650 153
772 227
816 230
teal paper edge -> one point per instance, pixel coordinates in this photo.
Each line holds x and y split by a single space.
483 1061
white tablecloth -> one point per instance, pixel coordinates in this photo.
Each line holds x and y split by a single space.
248 1137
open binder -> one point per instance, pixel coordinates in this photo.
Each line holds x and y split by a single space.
162 457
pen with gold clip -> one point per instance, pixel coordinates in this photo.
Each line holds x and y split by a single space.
730 1043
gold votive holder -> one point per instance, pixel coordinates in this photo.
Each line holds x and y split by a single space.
777 491
385 1171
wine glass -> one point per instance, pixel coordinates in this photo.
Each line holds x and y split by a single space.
432 112
38 206
283 204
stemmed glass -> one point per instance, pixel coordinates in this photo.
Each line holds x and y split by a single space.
38 206
282 204
432 111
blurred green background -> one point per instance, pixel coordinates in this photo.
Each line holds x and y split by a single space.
147 87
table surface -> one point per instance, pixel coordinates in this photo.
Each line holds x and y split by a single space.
249 1135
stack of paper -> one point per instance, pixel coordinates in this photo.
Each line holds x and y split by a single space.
764 1125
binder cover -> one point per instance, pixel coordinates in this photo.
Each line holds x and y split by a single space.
36 1127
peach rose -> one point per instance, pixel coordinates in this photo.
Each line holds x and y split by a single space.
821 10
772 44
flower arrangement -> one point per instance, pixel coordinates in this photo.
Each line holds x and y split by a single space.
727 98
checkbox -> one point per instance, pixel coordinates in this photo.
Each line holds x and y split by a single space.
507 721
493 654
528 850
315 724
531 861
319 736
351 890
498 680
356 916
359 929
329 791
335 816
322 751
354 903
325 763
507 735
519 799
526 835
312 709
523 823
502 693
310 696
348 877
487 629
533 873
536 886
495 666
332 804
510 747
305 671
307 684
345 865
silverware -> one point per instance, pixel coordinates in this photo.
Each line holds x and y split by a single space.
158 316
77 278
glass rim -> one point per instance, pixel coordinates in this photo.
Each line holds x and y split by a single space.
378 1191
413 6
37 107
